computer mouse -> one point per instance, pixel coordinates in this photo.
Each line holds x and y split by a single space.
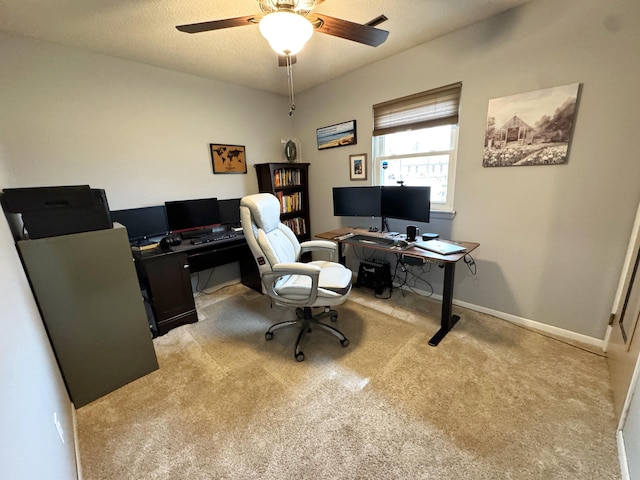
402 244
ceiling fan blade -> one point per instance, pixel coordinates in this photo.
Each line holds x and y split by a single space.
282 60
351 31
377 21
218 24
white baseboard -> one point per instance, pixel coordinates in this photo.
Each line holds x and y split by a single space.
219 286
622 457
74 418
527 323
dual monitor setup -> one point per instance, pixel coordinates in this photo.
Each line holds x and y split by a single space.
189 218
402 203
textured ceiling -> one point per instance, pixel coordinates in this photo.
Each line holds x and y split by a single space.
144 31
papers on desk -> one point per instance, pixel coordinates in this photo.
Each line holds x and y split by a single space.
443 248
144 248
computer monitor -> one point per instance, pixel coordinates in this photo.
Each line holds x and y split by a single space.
356 201
406 203
142 223
229 211
192 215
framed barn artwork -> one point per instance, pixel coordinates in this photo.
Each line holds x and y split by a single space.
533 128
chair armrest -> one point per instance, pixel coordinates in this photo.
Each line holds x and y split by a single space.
319 246
296 268
292 268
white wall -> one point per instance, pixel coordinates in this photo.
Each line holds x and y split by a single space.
31 387
140 132
552 238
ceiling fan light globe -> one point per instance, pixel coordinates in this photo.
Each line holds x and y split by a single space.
287 32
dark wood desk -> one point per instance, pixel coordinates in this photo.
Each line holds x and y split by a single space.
165 277
447 319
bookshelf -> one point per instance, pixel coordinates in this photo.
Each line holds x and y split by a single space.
289 182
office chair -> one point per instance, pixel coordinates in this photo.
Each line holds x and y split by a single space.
286 279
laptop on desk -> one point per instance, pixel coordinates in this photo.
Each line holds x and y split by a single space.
443 248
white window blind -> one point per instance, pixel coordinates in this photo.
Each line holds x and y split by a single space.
422 110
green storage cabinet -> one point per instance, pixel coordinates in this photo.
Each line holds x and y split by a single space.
87 291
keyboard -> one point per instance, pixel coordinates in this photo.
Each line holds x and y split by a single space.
214 237
370 239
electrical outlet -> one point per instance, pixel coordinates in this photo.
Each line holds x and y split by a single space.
56 422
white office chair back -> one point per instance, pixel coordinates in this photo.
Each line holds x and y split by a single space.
271 242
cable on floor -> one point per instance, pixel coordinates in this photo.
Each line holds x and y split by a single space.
199 291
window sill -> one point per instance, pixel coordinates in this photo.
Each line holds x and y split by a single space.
442 214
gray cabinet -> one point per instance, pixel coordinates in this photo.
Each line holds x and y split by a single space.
87 291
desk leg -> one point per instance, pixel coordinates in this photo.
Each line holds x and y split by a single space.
341 257
447 320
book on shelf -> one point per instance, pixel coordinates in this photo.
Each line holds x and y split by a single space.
297 225
286 177
289 203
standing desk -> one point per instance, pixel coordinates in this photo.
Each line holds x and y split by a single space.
447 319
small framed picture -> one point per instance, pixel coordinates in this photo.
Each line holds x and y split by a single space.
228 158
358 166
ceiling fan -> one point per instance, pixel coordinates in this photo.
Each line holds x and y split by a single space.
288 24
297 12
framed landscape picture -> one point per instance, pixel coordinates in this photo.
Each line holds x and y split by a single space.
228 158
533 128
337 135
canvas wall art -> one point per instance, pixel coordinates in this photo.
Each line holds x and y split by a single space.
532 128
337 135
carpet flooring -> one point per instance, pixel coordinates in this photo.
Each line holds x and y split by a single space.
492 401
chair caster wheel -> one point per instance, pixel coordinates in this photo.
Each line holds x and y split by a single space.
344 343
334 317
268 335
299 357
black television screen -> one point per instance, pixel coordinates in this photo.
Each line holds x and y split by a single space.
406 203
356 201
184 215
229 211
142 223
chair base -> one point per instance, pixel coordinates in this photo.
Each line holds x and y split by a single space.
306 320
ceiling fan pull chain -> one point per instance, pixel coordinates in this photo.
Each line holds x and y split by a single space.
292 103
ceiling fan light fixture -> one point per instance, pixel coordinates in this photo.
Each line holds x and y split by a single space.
286 32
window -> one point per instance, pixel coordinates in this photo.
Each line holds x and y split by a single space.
415 142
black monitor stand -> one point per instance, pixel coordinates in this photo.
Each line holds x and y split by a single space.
384 225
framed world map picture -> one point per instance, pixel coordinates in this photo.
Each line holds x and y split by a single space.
228 158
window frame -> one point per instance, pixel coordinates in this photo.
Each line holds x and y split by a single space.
429 109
